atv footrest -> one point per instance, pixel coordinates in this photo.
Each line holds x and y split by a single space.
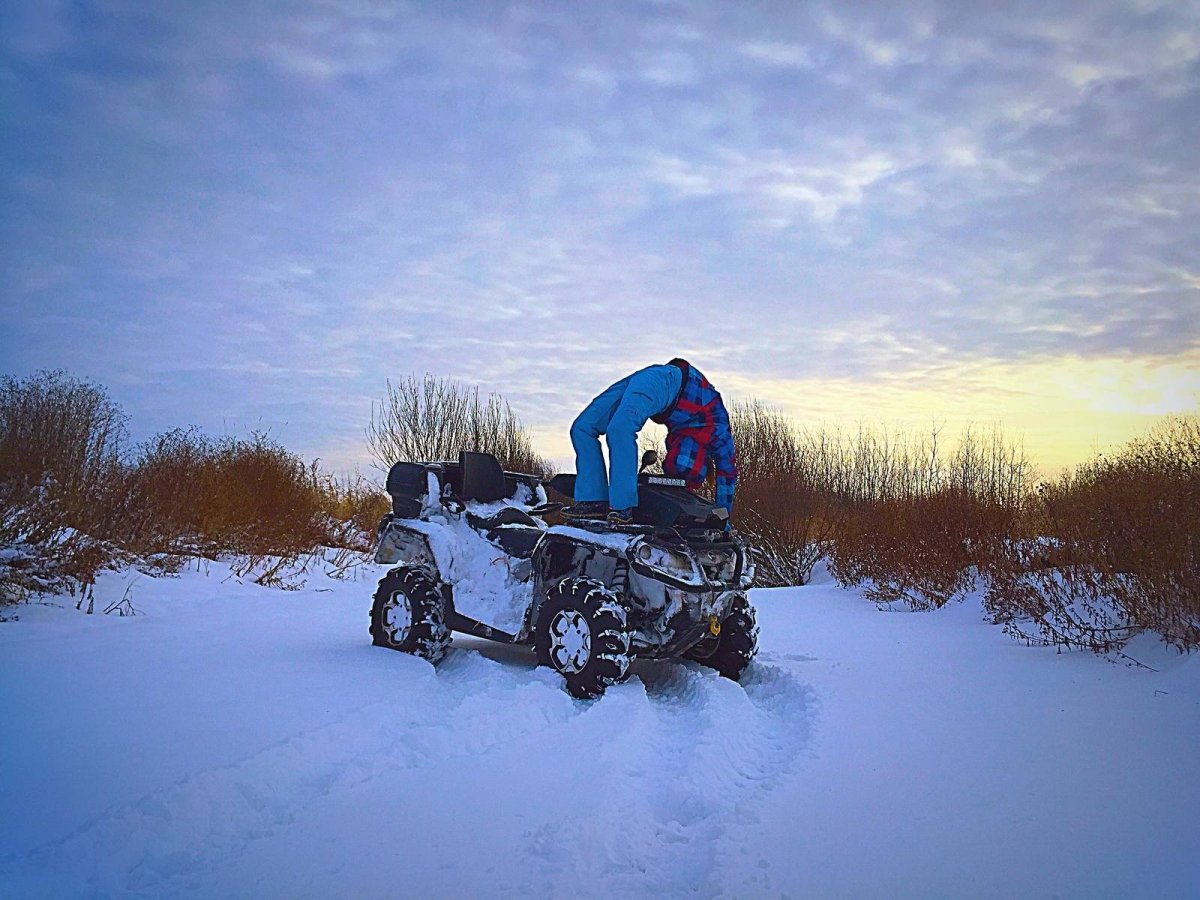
456 621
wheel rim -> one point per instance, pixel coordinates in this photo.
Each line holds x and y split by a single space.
570 641
397 617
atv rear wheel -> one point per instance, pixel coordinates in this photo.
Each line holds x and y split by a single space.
582 634
408 614
733 649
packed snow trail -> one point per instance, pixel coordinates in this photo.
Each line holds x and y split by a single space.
233 740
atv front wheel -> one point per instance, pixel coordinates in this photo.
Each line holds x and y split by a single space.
582 634
409 614
730 651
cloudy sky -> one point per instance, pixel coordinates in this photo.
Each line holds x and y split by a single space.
250 215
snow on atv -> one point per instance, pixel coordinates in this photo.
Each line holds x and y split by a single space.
472 554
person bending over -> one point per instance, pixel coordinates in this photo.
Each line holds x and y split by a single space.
676 395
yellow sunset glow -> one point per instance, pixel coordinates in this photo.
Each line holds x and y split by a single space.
1064 410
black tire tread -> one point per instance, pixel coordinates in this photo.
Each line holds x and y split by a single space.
609 662
429 638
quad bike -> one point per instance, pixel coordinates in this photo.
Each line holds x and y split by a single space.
472 553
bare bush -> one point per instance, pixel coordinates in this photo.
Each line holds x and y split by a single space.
60 467
354 505
1110 549
74 499
429 418
785 501
57 428
238 495
890 511
918 527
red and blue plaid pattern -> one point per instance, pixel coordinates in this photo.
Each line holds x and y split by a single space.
698 435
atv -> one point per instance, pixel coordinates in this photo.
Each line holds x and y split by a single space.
472 553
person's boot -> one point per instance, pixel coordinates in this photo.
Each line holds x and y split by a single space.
586 509
620 517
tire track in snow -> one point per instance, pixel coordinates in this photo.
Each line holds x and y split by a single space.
156 845
687 757
665 763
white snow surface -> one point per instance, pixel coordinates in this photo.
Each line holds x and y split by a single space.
484 586
232 740
613 540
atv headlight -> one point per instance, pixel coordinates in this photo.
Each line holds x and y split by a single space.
667 561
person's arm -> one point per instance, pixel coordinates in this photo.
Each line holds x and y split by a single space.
724 464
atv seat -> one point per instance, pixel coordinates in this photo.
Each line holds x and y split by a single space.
408 484
513 529
510 515
482 477
516 540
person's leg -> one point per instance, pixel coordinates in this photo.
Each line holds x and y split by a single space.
591 483
649 391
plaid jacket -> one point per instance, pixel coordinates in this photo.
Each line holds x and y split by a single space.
698 433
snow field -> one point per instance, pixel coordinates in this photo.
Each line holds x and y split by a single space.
484 775
238 741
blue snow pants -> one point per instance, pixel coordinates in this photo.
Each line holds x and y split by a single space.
619 412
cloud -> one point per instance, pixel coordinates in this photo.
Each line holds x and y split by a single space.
777 53
670 68
274 207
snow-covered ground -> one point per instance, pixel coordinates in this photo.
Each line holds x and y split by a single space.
238 741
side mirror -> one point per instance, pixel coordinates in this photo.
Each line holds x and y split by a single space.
649 458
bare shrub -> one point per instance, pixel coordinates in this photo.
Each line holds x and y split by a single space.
74 499
60 444
165 492
919 550
57 428
246 496
785 502
429 418
919 527
354 505
890 511
1110 549
258 497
